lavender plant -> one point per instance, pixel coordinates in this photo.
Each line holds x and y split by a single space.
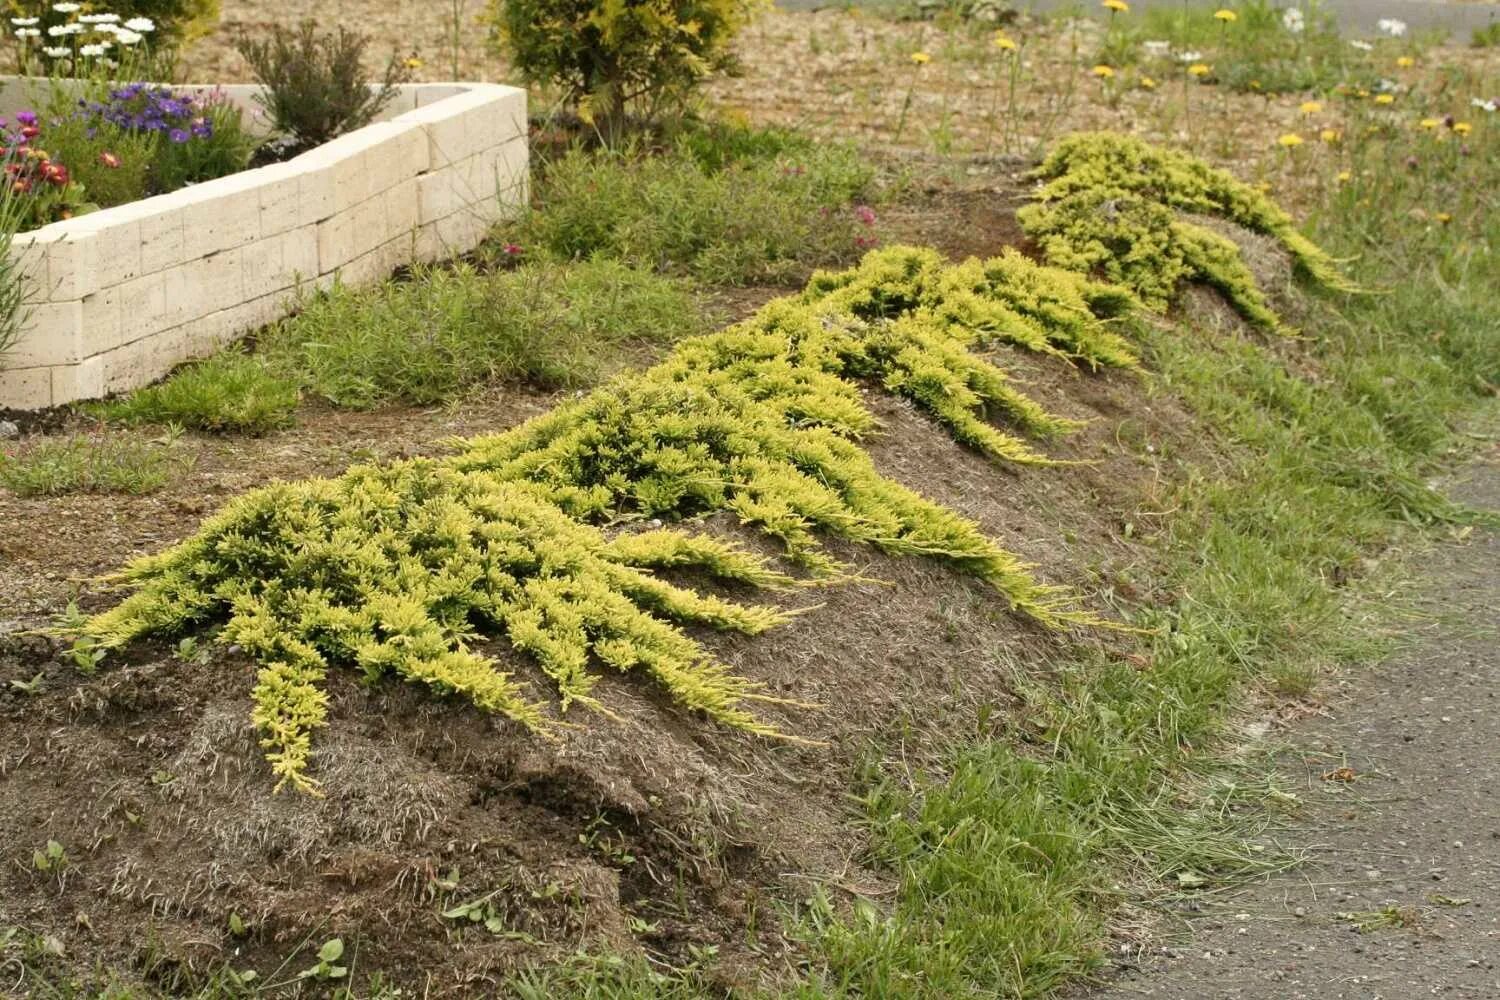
315 86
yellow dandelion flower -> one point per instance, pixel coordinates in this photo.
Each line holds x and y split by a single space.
1290 139
1198 69
1430 122
1119 6
1102 71
1147 83
921 58
1443 217
1344 177
1311 107
1329 135
1406 62
1462 128
1226 15
1254 84
412 62
1004 42
1385 99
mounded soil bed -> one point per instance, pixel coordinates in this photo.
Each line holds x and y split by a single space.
646 828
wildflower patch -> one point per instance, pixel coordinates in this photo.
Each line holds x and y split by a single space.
400 569
1111 204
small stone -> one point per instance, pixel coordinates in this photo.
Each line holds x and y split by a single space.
8 430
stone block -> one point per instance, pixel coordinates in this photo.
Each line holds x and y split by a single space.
52 334
26 388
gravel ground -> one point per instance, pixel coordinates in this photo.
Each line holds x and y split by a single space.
1410 846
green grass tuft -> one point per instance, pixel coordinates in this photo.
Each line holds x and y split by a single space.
230 392
87 464
446 330
769 210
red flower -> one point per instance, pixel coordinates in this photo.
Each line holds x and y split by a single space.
30 131
513 250
109 159
21 186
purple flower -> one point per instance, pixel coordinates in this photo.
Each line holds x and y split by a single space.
26 117
178 135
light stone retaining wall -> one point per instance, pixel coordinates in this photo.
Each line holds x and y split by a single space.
121 296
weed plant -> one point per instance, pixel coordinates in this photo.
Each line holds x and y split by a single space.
87 464
763 210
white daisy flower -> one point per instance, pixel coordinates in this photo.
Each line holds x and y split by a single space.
1485 105
56 51
1292 20
1362 46
67 8
28 32
127 37
24 22
1156 48
99 18
1391 26
1189 57
92 50
142 24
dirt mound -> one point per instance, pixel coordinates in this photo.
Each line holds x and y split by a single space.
645 827
150 777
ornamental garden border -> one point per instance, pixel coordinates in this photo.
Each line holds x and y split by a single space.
119 297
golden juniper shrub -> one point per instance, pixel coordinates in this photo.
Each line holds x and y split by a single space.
1009 299
394 569
1111 205
399 569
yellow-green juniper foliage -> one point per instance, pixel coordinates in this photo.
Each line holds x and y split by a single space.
1111 205
400 569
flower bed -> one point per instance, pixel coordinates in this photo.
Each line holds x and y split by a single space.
122 295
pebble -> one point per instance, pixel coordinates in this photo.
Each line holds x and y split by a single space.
8 430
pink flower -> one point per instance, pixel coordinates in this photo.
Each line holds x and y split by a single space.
109 159
865 214
513 250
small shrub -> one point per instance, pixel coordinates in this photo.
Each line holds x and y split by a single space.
610 57
228 392
1487 37
87 464
315 85
688 211
429 339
